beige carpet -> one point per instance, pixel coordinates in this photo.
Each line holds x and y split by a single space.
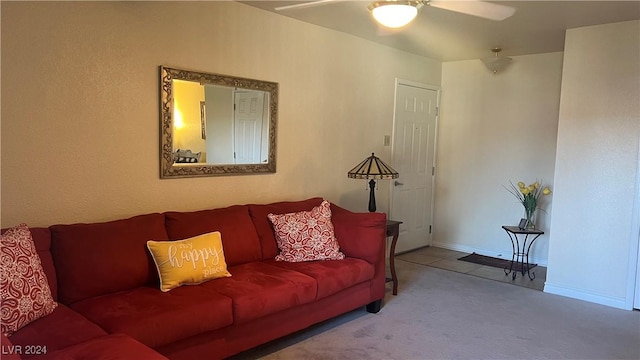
440 314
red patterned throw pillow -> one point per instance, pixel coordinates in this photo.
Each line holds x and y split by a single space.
24 290
306 235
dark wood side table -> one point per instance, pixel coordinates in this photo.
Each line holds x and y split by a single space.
521 255
393 229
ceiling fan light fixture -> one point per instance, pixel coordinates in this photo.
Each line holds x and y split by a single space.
395 14
496 63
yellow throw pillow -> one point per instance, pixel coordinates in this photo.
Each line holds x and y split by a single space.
190 261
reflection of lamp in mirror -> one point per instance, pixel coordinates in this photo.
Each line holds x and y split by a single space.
178 123
372 168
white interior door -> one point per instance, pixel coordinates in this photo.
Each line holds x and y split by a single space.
248 118
414 145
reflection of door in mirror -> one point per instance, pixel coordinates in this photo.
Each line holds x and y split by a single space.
249 122
238 125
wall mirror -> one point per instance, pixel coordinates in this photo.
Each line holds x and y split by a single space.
213 125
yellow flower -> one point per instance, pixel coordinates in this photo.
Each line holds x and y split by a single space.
536 185
520 184
532 188
546 191
524 190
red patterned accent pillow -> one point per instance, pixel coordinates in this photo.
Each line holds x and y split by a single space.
306 235
24 290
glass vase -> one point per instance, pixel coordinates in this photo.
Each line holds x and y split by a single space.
530 215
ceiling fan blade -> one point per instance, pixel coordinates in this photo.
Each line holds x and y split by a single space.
305 4
478 8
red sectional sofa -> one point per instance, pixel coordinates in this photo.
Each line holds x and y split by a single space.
110 306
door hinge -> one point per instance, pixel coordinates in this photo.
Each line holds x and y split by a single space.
433 170
429 229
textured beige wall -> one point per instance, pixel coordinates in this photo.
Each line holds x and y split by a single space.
596 165
80 118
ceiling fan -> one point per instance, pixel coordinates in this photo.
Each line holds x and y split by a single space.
398 13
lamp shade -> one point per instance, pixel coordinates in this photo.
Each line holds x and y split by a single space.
496 63
394 14
373 168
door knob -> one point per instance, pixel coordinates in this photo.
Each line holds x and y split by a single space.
397 183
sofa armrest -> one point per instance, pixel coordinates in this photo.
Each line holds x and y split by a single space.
9 351
360 235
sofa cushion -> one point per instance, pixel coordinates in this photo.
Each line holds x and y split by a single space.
332 276
263 225
62 328
239 237
24 290
110 347
42 240
259 289
157 318
103 258
306 235
190 261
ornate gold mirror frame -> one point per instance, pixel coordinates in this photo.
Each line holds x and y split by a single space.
171 167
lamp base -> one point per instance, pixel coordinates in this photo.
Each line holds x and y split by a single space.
372 196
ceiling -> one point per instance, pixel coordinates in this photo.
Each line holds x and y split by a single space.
537 26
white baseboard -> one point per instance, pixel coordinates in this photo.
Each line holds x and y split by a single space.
586 296
502 255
